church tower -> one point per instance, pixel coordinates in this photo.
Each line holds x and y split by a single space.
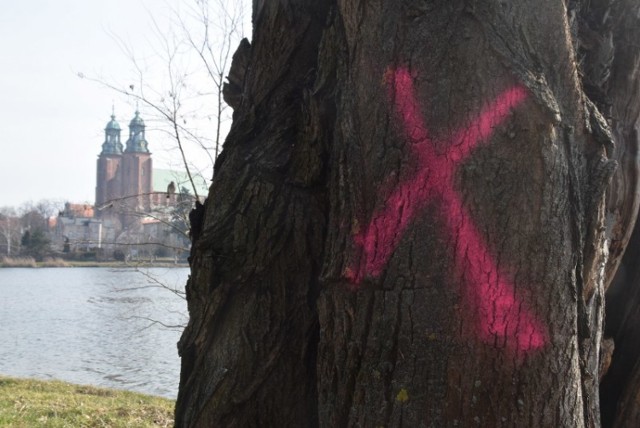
137 168
109 183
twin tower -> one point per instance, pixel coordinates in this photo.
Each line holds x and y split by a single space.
124 177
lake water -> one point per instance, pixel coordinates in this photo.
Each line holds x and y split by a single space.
94 326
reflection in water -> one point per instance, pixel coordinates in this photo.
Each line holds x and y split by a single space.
93 326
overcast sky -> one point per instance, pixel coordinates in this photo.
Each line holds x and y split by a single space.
52 122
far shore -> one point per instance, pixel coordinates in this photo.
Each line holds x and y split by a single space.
29 262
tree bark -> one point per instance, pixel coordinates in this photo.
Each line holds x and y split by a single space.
407 225
609 30
249 350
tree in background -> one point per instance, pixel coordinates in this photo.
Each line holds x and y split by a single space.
35 243
28 217
180 214
180 88
415 218
32 218
10 231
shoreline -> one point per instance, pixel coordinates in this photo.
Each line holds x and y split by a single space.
61 263
32 402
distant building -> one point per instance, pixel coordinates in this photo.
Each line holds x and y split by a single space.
125 176
126 179
137 207
76 229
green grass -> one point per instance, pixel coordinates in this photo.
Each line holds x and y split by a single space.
26 403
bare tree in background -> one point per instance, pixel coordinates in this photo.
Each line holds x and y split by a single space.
9 231
179 86
213 40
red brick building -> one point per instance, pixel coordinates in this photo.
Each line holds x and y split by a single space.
138 210
125 174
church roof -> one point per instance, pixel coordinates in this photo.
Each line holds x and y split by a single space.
137 120
77 210
113 124
137 142
162 178
112 144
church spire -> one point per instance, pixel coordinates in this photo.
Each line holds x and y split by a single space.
112 144
137 142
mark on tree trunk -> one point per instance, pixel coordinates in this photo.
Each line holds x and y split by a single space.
502 314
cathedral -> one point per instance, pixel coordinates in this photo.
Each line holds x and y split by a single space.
138 209
126 182
125 173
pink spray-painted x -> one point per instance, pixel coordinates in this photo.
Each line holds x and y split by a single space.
503 317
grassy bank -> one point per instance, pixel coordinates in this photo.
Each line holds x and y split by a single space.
32 403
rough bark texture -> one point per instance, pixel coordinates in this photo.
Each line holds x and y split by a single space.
249 351
618 97
409 223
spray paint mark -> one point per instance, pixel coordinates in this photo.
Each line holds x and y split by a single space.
503 316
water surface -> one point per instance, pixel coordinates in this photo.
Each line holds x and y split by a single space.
95 326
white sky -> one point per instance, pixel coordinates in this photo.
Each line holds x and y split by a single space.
51 121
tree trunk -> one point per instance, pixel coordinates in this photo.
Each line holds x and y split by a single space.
408 225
